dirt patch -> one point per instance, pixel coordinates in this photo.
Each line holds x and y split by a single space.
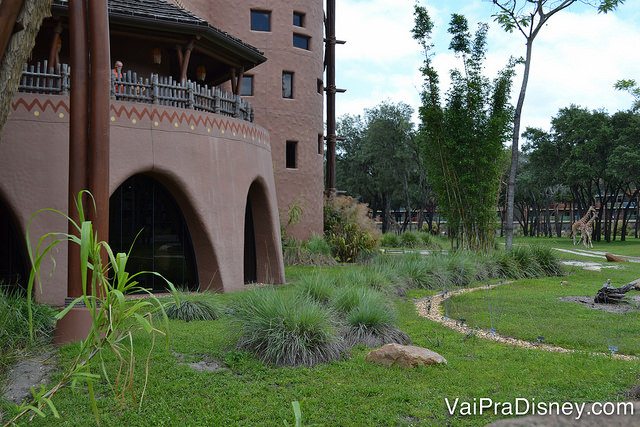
207 364
32 371
632 304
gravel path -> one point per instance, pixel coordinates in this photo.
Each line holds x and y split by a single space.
430 308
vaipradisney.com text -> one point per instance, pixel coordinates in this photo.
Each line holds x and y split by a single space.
525 406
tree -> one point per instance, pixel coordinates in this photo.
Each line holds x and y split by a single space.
463 139
528 17
19 46
375 161
630 85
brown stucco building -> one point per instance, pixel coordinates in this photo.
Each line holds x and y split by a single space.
190 166
287 91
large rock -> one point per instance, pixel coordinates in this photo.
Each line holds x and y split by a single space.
404 356
615 258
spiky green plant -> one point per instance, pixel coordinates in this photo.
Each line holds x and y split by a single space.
194 306
410 239
318 245
287 329
390 240
105 283
372 323
317 287
547 260
14 326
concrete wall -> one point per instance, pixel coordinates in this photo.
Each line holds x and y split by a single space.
208 162
299 119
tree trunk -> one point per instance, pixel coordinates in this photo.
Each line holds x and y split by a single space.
514 148
18 50
610 295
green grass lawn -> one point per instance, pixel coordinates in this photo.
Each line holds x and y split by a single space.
351 392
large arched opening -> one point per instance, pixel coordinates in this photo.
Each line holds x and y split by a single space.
13 255
144 211
260 250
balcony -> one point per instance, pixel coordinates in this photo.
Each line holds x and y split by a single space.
154 89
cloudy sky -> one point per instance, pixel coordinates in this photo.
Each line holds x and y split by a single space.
577 57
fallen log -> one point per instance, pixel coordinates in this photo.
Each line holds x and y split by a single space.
610 295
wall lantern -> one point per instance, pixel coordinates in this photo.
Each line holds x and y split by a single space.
201 73
156 55
59 44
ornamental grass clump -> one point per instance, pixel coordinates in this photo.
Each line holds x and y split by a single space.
287 329
194 306
372 323
547 260
317 287
390 240
14 326
410 239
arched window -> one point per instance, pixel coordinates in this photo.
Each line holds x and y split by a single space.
13 261
143 205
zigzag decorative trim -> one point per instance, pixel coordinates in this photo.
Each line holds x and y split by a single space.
42 106
182 117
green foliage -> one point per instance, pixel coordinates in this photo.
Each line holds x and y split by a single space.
348 228
390 240
630 85
317 287
287 329
15 338
462 141
294 215
372 323
105 283
194 306
410 239
318 245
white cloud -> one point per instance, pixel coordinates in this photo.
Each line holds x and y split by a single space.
577 56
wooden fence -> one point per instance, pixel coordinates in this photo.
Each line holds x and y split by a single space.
155 89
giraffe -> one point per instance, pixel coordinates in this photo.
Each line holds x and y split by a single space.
586 230
577 226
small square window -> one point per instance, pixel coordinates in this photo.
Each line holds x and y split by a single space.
320 86
301 41
298 19
247 86
287 84
292 148
260 20
320 144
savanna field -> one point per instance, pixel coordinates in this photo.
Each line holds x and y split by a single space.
238 368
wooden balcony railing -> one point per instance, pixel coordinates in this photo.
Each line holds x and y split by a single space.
158 90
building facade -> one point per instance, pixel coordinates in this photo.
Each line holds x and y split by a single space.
287 92
191 176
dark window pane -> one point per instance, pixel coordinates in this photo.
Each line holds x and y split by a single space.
291 154
143 210
320 143
301 42
247 86
287 85
298 19
320 86
260 20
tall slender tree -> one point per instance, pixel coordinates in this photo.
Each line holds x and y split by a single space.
528 17
463 139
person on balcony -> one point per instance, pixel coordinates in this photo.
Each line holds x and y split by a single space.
117 76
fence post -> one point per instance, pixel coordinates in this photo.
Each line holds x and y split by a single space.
190 99
216 98
64 84
236 104
154 88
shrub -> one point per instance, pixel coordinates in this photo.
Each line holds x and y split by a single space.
390 240
547 260
410 239
348 228
287 329
427 241
318 245
198 306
